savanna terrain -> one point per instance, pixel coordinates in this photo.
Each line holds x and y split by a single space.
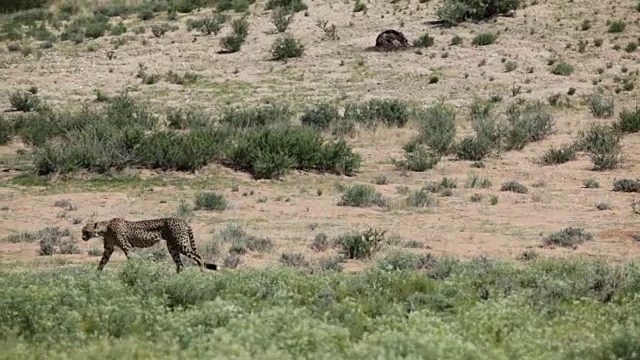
470 194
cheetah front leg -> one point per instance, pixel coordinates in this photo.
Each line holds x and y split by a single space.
108 250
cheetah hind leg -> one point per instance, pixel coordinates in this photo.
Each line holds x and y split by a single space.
193 254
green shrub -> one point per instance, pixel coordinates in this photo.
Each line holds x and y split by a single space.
182 119
515 187
453 12
626 185
321 117
484 39
14 6
561 155
361 195
281 18
617 26
473 148
562 68
568 237
210 201
389 112
6 130
361 245
293 5
250 117
601 106
233 42
209 24
24 101
629 121
272 152
437 128
424 41
399 261
528 122
296 260
602 144
418 157
320 243
420 199
286 47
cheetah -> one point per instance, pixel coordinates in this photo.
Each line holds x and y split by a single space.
145 233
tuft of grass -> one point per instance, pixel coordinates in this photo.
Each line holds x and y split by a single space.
210 201
421 199
514 186
484 39
561 155
510 66
590 184
425 40
628 121
476 181
24 101
362 195
562 69
568 237
617 26
601 106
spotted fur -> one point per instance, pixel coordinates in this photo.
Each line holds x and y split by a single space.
145 233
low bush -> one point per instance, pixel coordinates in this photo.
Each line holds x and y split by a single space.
453 12
270 153
602 144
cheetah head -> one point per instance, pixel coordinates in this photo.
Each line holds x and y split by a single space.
93 229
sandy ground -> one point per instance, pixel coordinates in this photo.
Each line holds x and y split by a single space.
342 71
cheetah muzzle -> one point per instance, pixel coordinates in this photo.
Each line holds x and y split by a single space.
127 235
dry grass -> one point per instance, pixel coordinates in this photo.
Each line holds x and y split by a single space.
341 71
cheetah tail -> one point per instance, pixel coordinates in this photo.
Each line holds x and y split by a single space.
210 266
